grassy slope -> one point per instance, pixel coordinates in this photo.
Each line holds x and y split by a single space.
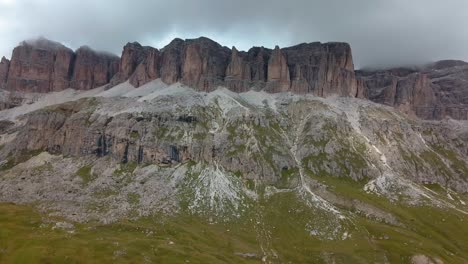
278 225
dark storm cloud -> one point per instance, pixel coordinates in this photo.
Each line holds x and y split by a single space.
381 32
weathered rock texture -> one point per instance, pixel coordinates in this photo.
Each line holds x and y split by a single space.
322 69
138 64
39 66
431 92
435 91
278 72
4 67
93 69
45 66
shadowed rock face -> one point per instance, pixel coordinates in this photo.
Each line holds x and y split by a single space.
138 64
431 92
278 72
322 69
92 69
4 66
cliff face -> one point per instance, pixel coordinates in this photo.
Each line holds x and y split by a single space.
39 66
432 92
322 69
45 66
92 69
138 64
4 67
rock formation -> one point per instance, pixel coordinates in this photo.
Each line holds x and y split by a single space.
278 72
204 64
39 66
237 73
4 66
46 66
432 92
322 69
93 69
138 64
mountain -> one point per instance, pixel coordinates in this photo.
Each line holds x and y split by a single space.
433 91
204 154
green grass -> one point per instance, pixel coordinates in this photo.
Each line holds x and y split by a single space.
85 174
281 222
153 240
126 168
13 160
134 135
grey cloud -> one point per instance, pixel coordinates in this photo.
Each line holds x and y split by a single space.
381 32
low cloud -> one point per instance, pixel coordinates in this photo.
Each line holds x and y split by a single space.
381 32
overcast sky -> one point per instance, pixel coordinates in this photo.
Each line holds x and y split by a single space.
381 32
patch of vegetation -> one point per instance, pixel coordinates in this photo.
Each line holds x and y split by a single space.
133 198
457 164
250 184
69 108
431 158
134 134
238 174
287 174
105 193
85 174
160 132
238 149
15 159
200 136
126 168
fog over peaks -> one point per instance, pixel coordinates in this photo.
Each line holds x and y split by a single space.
382 33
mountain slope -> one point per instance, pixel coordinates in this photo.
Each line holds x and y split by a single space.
230 177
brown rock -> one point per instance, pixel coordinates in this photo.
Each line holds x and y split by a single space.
39 66
258 59
171 61
93 69
204 64
322 69
148 69
4 66
411 92
132 55
237 73
278 72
